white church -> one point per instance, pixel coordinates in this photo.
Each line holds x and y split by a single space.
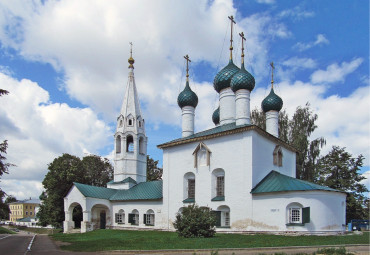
245 174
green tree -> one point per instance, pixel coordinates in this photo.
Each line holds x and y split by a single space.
195 221
4 205
63 171
340 171
3 92
153 172
297 131
97 170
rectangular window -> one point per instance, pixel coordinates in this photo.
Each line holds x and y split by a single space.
26 213
295 215
26 207
220 186
191 188
30 213
227 219
120 218
149 219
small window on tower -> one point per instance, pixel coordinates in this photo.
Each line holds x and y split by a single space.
120 123
130 122
139 123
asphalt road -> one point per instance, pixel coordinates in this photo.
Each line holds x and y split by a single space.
14 244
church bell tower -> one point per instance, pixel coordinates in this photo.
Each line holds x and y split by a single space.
130 138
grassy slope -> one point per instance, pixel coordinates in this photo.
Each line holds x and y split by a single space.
152 240
5 231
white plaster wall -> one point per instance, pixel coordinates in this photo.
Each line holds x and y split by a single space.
242 104
187 120
272 123
263 150
142 207
74 196
227 106
327 211
232 153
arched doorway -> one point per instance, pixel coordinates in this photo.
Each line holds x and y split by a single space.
77 216
100 217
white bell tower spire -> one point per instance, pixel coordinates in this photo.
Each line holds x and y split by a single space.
130 138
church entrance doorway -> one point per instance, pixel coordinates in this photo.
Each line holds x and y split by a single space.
102 220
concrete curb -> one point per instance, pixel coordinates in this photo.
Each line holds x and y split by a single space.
180 251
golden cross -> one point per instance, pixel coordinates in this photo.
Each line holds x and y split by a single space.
187 66
243 39
272 74
231 39
131 48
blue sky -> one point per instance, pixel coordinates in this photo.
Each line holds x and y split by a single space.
65 65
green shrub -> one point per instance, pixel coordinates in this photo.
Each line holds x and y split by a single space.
195 221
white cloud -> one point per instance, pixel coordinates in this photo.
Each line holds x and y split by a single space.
296 13
38 130
300 63
265 1
320 40
335 72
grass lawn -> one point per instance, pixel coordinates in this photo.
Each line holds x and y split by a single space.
106 239
5 231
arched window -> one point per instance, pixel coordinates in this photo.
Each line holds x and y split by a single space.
297 214
120 217
218 185
222 215
189 188
278 156
141 145
149 218
139 124
121 123
118 144
129 143
133 217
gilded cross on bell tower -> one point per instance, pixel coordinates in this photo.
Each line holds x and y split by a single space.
187 66
243 39
131 60
231 18
272 74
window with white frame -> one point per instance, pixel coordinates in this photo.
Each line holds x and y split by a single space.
220 187
222 216
191 188
129 143
120 217
149 218
297 214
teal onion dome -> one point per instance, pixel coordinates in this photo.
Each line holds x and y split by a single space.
223 78
216 116
242 80
187 97
272 102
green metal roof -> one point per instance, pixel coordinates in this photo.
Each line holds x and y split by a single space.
128 179
216 116
223 77
242 80
272 102
187 97
277 182
27 219
142 191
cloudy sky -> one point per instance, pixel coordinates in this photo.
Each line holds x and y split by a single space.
65 66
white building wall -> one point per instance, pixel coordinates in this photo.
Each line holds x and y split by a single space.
231 153
327 211
263 149
142 207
